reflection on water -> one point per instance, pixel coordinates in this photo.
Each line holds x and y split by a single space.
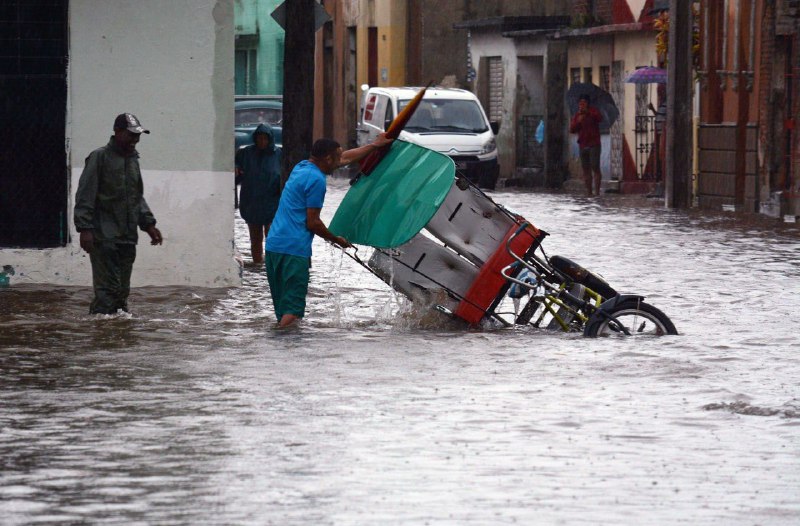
193 410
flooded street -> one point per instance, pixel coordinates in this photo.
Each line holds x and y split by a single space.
194 411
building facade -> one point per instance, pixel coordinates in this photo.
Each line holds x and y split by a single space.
517 70
168 62
397 43
259 44
748 70
616 39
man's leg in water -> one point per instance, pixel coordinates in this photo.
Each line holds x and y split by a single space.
288 278
598 175
586 167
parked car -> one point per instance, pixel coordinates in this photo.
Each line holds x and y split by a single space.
448 120
250 111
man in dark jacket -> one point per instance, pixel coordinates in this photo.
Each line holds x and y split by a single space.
109 205
586 123
258 170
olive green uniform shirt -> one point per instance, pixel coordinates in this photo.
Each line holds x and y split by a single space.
110 199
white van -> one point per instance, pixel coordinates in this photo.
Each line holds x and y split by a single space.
448 120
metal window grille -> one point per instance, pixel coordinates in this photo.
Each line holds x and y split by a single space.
646 164
645 130
33 104
605 78
495 88
574 75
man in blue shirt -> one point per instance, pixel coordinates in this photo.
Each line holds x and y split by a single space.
288 246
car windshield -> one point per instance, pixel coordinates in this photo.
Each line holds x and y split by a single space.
253 116
445 115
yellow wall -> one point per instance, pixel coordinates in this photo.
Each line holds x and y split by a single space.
584 53
389 17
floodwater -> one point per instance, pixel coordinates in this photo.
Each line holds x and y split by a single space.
194 411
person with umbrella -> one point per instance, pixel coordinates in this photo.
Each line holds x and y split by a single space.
586 123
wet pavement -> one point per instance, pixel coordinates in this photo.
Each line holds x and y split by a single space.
194 411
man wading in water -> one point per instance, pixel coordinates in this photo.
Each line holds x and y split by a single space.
288 246
109 204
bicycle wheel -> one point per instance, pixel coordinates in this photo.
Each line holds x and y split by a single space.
637 317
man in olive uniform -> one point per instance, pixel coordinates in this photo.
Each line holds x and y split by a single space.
109 205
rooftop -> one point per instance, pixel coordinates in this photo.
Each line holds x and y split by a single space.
515 23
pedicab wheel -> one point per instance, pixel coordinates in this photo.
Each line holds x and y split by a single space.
637 317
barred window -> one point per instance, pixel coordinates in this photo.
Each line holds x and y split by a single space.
605 78
34 174
574 76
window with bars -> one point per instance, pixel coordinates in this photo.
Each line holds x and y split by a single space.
574 75
245 72
34 176
587 75
605 78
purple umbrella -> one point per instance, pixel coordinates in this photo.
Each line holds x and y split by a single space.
647 75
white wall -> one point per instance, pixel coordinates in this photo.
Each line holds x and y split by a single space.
492 44
170 62
633 49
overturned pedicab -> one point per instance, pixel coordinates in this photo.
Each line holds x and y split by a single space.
442 242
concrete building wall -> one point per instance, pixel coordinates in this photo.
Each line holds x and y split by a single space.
523 87
635 50
491 44
342 60
170 62
445 49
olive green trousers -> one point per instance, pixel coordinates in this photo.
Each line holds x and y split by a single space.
112 264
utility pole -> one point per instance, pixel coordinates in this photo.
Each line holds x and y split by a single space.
298 83
742 117
678 180
555 87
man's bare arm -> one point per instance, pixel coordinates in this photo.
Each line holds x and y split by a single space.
315 224
356 154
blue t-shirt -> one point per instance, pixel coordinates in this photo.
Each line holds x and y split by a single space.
304 189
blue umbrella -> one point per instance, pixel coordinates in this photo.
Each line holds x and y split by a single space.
647 75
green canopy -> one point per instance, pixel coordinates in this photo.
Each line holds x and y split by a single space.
392 204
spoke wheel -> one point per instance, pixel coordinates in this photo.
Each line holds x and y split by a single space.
637 318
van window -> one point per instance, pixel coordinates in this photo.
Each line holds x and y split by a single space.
388 116
378 111
446 115
370 107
